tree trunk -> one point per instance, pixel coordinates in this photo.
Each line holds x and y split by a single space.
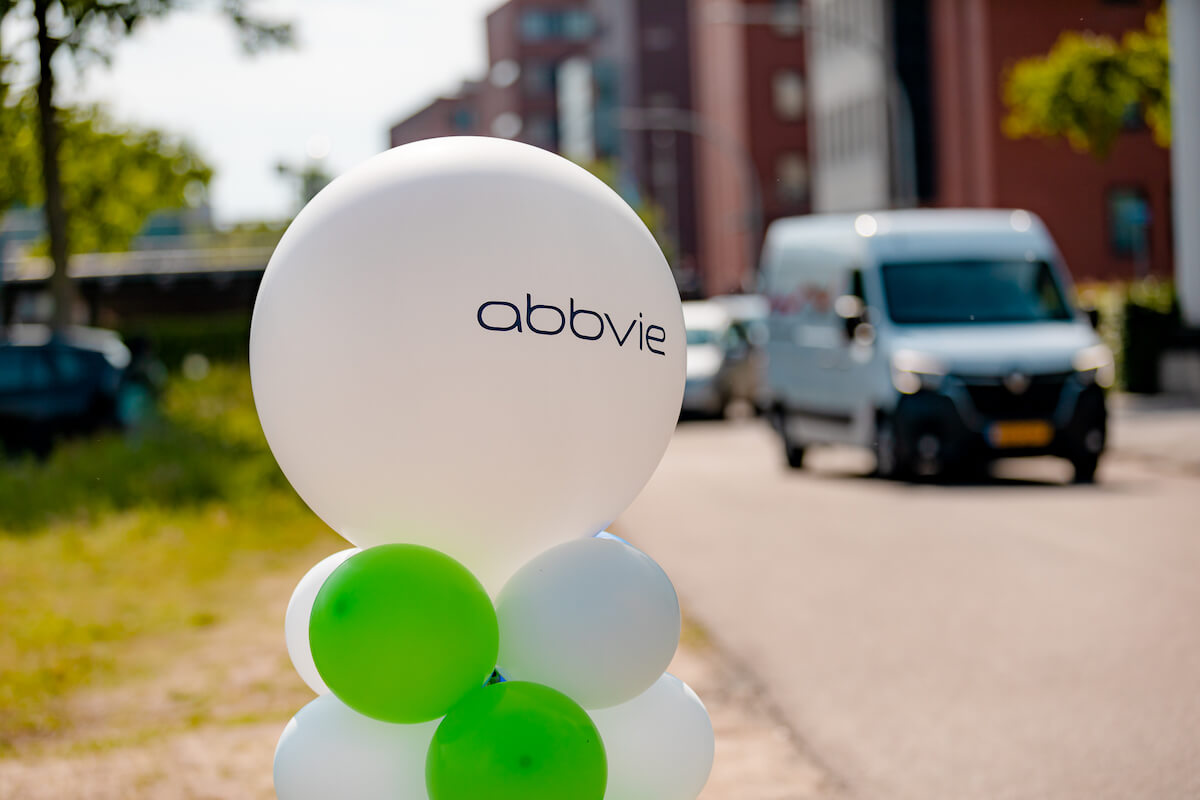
56 218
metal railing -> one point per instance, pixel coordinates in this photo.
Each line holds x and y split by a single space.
136 263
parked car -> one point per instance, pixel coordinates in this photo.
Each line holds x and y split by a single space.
720 359
749 313
55 385
939 338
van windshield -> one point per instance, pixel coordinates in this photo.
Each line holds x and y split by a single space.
932 292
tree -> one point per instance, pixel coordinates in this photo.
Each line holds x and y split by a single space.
309 178
1089 88
113 178
87 31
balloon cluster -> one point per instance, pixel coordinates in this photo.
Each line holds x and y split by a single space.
467 357
557 691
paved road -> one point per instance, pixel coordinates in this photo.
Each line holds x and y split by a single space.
1014 640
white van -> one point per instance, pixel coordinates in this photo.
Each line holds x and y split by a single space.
941 339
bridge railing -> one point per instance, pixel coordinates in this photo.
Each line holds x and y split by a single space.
150 262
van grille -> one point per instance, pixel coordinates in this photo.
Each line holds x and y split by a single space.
992 399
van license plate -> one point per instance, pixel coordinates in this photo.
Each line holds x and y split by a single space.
1021 433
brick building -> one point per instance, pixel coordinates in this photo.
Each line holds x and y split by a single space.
1111 218
564 75
731 113
458 115
751 93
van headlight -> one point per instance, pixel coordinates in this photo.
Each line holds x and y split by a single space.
913 371
1095 364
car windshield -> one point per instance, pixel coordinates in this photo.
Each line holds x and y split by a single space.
697 336
931 292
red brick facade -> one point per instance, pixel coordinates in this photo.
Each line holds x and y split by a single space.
974 42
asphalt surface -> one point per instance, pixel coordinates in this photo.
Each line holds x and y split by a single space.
1016 638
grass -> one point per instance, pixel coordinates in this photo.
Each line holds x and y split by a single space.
205 446
118 539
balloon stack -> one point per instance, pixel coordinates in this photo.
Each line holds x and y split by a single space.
468 357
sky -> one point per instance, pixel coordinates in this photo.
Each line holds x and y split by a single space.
358 67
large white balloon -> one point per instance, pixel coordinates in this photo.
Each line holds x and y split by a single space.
596 619
331 751
659 745
471 344
299 610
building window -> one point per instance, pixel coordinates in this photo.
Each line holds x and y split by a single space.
787 93
1128 222
791 179
575 25
539 77
786 17
542 131
462 119
1132 118
535 25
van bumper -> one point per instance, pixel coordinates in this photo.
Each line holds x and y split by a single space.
947 427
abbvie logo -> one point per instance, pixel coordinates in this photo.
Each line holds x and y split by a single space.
502 316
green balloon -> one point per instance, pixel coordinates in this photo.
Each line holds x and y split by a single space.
401 632
516 741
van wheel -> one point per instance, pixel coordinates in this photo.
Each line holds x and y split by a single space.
792 451
1085 468
794 455
888 462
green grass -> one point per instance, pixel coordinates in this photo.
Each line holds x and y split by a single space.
205 446
120 538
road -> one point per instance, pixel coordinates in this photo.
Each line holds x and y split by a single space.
1010 640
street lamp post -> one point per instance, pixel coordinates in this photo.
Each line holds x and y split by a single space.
681 120
902 141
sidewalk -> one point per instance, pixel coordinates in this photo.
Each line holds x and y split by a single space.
1160 429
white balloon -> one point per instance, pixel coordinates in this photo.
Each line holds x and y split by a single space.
295 625
596 619
331 751
471 344
659 745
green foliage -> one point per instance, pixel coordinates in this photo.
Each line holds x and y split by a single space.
88 30
113 177
1150 318
91 28
222 337
309 178
117 539
19 170
1086 87
206 446
1137 320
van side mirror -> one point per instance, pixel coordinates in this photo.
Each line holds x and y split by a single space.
1093 315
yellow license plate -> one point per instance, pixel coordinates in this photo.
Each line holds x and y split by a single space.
1021 433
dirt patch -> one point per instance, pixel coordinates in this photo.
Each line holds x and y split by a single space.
201 720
